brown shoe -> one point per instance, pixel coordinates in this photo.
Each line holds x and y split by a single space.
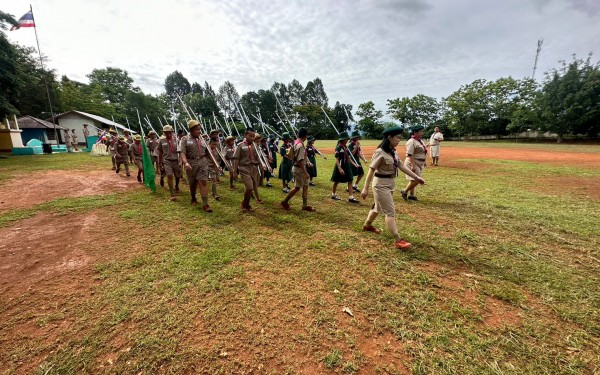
194 203
402 245
309 208
370 228
173 198
285 205
206 208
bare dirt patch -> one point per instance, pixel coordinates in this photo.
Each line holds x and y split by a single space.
35 188
585 187
449 155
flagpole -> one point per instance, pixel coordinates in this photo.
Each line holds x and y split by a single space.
43 77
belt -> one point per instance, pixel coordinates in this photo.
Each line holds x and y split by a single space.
379 175
420 159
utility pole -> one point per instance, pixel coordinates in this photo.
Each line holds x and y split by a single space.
537 55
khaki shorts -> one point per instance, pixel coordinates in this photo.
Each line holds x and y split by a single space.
249 176
418 168
383 195
434 151
138 163
172 168
300 179
199 170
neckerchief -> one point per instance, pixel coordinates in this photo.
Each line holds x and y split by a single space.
421 142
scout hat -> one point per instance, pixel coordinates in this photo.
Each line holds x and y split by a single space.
416 128
355 134
137 137
121 138
151 132
343 136
167 128
192 124
229 138
286 136
112 131
126 131
214 131
392 131
310 138
258 137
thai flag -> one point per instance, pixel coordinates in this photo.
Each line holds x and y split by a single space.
102 137
25 21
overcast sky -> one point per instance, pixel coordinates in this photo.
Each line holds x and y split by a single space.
362 50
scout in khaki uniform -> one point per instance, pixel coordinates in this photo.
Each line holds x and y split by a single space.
152 145
214 137
111 142
246 164
135 153
213 174
384 166
128 137
74 141
67 140
196 157
272 147
342 171
86 134
301 176
229 152
357 155
416 154
285 168
168 160
434 146
268 156
122 155
311 153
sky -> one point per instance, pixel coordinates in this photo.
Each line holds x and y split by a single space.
361 49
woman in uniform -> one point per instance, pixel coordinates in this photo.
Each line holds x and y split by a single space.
285 168
342 171
382 173
416 154
311 153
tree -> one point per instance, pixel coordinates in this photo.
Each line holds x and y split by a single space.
114 83
314 93
570 102
177 85
295 91
197 88
9 84
370 120
340 118
468 109
208 90
418 110
312 118
81 97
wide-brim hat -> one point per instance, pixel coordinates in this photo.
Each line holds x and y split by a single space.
112 131
343 136
286 136
151 132
121 138
137 137
355 134
392 131
127 131
214 131
229 138
258 137
310 138
416 128
192 124
167 128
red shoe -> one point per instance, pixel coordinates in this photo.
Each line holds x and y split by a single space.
206 208
285 205
402 245
309 208
370 228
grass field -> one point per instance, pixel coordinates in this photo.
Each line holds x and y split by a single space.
503 276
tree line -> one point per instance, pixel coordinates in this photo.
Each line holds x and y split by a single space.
566 102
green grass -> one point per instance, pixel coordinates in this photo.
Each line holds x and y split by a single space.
502 279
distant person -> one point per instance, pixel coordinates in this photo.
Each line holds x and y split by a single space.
434 145
168 160
357 156
111 143
285 168
152 145
342 171
74 142
135 153
86 134
311 153
301 175
384 167
416 154
67 140
122 154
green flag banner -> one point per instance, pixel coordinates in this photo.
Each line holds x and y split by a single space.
149 172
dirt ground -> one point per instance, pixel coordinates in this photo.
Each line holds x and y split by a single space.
46 186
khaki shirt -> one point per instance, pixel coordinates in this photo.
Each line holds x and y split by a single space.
136 150
86 132
192 148
299 154
169 149
416 149
152 144
436 138
121 150
383 163
74 136
229 152
246 155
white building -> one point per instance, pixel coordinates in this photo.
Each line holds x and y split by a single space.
75 120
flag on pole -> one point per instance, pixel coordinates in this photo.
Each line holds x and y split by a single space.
149 172
25 21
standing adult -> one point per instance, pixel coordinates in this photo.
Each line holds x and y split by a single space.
122 155
168 160
67 140
86 134
416 154
74 141
246 164
342 171
135 153
301 176
152 145
195 155
384 168
434 145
